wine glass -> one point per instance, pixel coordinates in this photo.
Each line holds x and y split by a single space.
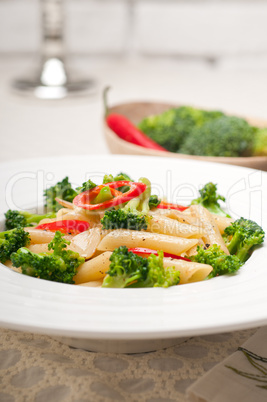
52 79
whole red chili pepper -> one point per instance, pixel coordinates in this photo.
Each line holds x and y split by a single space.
127 131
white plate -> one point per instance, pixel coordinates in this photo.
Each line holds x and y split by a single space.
134 320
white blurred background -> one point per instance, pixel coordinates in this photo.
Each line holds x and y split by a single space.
221 34
207 53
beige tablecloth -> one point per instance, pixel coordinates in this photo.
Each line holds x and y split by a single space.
40 369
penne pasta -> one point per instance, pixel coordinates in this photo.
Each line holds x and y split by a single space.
42 236
64 212
65 203
193 250
94 269
39 248
182 217
86 243
211 233
189 271
79 214
135 238
47 220
92 284
172 227
222 222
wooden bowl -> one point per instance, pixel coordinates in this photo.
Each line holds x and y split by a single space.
136 111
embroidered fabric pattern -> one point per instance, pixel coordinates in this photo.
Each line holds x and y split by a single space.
39 368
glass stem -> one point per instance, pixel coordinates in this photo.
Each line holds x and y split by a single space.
52 29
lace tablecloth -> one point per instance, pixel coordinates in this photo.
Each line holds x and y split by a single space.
39 368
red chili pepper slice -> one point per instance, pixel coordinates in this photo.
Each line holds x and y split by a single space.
170 205
125 129
84 200
68 226
147 251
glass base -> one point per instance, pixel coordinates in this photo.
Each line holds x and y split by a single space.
40 91
54 82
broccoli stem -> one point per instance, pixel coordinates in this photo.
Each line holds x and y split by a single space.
234 243
146 195
217 210
15 219
244 253
35 218
132 204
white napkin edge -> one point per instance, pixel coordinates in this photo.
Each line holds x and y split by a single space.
211 386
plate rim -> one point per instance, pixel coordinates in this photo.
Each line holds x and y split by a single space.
126 335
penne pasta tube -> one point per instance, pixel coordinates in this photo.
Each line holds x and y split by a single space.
39 236
65 203
39 248
86 243
193 250
92 284
222 222
94 269
47 220
178 215
79 214
189 271
64 212
172 227
135 238
211 234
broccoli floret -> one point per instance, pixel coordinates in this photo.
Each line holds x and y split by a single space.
122 176
122 219
158 276
221 263
171 127
11 241
15 219
62 190
154 201
260 142
209 199
226 136
108 178
130 270
242 236
87 185
211 115
133 215
59 266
